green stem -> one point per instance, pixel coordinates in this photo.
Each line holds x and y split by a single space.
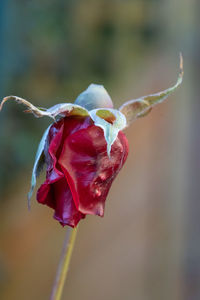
63 264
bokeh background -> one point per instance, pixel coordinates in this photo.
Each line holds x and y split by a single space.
147 247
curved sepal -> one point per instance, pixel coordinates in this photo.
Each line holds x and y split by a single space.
111 121
38 112
38 164
61 109
140 107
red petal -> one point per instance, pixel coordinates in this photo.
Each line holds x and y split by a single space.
45 196
79 172
53 144
57 135
65 210
58 196
55 192
88 169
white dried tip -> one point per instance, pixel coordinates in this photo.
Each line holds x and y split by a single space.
95 96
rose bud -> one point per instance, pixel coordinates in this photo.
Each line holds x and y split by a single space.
84 150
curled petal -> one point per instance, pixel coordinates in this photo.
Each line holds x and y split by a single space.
65 210
140 107
111 121
57 195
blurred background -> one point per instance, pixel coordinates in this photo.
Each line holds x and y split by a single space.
147 247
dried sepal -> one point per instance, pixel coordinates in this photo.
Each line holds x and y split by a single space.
61 109
140 107
30 107
111 121
38 164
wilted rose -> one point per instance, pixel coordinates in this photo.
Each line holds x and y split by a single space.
84 149
79 172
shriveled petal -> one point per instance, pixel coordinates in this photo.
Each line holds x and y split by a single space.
65 211
57 195
54 142
55 192
45 195
88 169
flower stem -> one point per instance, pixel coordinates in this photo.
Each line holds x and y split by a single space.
64 264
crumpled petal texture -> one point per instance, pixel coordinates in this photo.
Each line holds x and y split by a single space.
79 172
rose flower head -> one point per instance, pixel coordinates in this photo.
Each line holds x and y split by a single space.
84 149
